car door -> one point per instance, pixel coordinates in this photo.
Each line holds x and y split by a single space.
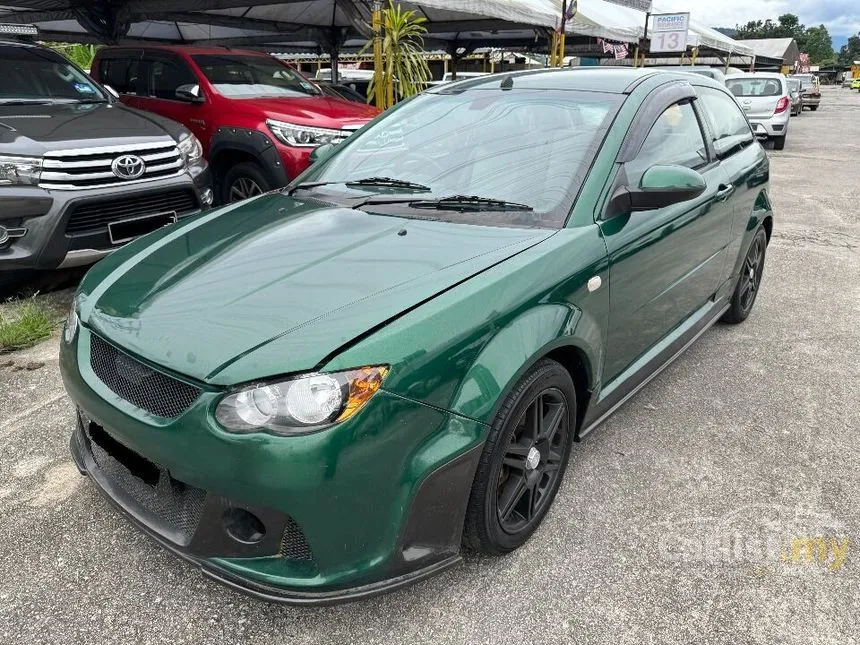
665 263
165 73
743 160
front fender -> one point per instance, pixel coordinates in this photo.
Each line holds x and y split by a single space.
519 345
253 143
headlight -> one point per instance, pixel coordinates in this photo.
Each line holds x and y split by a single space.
20 170
301 405
71 328
190 148
303 136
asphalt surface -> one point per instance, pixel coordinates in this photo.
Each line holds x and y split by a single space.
674 524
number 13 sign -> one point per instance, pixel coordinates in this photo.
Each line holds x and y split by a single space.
670 32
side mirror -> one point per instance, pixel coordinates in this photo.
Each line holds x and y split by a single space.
112 92
190 92
660 186
321 152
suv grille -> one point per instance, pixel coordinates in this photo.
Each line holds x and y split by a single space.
94 216
91 167
138 384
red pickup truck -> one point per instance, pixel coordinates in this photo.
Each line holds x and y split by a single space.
257 119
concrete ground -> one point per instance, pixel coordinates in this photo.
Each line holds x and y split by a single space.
677 521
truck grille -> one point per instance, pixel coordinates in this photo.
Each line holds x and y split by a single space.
138 384
93 216
92 167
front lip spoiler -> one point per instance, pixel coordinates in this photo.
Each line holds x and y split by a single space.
256 589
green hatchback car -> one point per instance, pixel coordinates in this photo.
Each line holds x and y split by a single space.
331 390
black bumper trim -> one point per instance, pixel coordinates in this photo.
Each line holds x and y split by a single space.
251 587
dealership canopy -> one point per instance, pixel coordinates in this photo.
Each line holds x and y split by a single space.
313 25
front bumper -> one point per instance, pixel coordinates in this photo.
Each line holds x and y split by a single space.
45 215
378 501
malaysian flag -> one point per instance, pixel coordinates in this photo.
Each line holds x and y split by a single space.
620 51
607 47
571 9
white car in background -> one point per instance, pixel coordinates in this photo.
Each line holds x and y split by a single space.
766 101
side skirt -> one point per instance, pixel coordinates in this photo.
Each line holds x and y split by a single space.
651 364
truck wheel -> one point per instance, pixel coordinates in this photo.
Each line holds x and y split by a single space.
242 181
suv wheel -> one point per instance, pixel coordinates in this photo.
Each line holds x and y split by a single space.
242 181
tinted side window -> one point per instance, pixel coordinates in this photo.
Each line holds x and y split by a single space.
721 110
120 73
675 139
167 75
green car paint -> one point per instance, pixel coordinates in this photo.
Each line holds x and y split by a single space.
283 285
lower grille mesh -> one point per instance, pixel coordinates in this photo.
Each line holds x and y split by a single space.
170 501
293 543
138 384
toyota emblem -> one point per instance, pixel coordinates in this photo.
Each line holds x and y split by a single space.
128 167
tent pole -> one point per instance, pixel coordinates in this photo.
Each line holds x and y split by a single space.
378 83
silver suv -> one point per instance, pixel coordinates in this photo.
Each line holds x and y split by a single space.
80 173
766 101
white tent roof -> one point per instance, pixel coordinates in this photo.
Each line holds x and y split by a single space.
608 20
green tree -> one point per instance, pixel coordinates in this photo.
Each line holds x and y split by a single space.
819 45
850 51
80 55
405 63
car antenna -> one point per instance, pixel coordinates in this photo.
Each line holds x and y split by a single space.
507 82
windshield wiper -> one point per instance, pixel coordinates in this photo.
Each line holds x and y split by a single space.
90 101
387 182
469 203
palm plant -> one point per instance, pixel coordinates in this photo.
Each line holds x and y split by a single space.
405 69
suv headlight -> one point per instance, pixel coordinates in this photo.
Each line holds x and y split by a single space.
20 170
190 148
300 405
303 136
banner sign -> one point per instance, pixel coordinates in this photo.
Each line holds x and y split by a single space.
670 32
641 5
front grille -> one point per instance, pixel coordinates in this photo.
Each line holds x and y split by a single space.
89 216
167 500
92 167
293 543
138 384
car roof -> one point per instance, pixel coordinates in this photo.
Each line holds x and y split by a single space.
613 80
757 75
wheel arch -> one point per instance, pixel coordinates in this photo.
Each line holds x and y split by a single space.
230 146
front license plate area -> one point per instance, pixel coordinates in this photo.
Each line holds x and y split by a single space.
128 229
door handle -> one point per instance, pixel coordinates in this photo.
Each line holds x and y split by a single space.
724 192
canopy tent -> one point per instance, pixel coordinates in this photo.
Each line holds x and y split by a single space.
298 24
604 19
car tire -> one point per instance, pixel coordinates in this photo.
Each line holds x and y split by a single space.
779 143
813 107
752 271
244 180
523 463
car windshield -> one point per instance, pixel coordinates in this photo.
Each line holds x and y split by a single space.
33 75
525 154
793 85
238 76
754 86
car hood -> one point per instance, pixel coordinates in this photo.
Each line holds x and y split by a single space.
275 285
320 111
36 129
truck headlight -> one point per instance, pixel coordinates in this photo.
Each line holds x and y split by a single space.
190 148
300 405
20 170
303 136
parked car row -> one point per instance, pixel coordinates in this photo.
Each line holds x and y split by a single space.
90 163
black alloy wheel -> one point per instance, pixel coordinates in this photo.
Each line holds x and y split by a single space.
749 280
523 462
532 461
